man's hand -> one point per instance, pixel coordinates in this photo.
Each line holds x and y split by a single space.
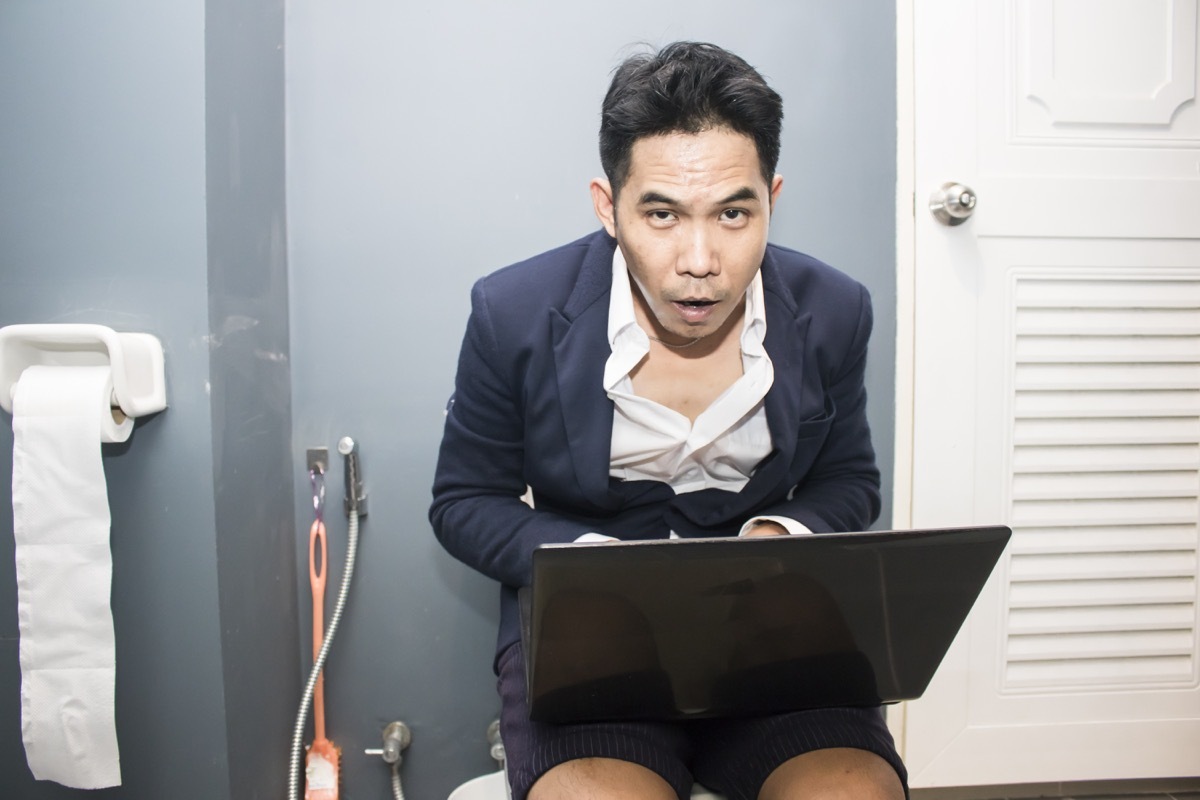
767 529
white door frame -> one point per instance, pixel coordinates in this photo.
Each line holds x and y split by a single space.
906 208
905 306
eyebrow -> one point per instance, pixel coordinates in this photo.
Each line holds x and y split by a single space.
745 193
655 198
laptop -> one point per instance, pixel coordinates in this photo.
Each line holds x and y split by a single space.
692 628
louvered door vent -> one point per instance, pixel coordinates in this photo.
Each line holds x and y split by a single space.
1105 483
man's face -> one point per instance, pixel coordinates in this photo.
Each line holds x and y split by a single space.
691 221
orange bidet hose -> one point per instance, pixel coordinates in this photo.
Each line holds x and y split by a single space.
322 765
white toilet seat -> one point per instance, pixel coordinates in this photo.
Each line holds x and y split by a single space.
495 787
486 787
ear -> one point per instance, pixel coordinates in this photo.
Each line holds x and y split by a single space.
602 202
776 188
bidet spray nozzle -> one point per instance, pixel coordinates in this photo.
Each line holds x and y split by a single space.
356 498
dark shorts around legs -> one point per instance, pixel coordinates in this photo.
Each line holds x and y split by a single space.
730 756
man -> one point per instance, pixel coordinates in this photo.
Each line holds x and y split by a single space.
670 375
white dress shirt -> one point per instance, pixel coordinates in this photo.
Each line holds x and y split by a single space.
652 442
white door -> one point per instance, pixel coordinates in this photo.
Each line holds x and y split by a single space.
1056 382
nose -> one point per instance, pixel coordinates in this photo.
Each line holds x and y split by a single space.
698 257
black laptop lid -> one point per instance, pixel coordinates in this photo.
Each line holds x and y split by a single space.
690 628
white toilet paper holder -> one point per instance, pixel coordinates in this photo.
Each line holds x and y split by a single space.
136 360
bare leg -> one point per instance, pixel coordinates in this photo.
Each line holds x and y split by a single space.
841 773
601 779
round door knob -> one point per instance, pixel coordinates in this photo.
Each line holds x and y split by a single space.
952 203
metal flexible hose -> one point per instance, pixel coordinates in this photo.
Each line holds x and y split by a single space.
319 662
397 792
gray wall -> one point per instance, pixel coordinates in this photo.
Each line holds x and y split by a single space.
430 144
250 388
102 220
141 186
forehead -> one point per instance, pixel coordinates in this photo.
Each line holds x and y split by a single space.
710 158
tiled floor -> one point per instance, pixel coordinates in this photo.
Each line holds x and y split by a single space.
1159 796
946 794
1187 796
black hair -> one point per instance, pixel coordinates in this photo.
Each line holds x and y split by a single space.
687 87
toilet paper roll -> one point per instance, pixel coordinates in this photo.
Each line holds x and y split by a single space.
64 573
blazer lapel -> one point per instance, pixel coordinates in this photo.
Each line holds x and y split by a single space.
787 333
580 340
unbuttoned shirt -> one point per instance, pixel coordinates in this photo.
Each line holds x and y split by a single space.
652 442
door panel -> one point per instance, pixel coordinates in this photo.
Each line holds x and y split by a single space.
1056 384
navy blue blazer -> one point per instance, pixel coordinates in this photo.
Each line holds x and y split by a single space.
529 409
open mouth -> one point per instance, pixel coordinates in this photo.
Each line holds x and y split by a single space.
695 312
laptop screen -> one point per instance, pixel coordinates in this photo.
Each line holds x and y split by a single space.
691 628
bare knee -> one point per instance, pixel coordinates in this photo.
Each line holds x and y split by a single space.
601 779
834 774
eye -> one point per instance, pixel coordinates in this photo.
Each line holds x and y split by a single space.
733 214
660 216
